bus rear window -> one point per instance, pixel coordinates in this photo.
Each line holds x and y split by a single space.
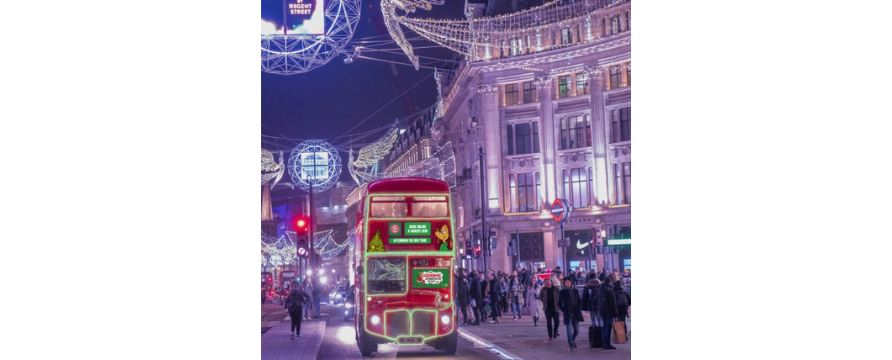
388 210
429 209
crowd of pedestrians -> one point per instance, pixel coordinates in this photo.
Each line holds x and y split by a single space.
546 294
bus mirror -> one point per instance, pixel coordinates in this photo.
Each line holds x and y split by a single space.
359 270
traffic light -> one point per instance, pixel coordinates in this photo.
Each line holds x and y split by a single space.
469 247
477 252
301 224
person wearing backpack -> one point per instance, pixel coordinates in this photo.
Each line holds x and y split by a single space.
608 311
294 304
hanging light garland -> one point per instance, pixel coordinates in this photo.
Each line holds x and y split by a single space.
325 246
476 36
281 251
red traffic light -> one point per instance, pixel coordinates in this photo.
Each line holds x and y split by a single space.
301 223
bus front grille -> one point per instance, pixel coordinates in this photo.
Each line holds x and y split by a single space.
421 323
398 323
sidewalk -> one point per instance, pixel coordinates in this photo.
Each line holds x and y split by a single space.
276 343
522 340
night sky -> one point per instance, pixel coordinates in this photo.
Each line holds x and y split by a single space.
326 102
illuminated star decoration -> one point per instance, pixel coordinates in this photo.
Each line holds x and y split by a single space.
316 163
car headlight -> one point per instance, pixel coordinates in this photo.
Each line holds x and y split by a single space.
338 296
348 305
375 320
445 319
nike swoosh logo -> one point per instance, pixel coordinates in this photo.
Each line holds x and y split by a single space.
582 246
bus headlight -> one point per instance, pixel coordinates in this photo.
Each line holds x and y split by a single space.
375 320
444 319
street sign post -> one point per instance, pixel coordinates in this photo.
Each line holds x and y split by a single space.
560 211
563 242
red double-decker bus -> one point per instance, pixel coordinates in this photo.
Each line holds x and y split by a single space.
403 282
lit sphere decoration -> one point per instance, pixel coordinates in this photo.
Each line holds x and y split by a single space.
314 162
297 53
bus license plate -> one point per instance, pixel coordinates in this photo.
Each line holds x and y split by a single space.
410 340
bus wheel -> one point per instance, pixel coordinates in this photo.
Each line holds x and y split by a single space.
367 344
450 343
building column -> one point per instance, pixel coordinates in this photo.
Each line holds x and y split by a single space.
547 137
491 144
549 243
600 172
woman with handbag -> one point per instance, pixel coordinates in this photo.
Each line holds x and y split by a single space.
570 306
623 301
534 306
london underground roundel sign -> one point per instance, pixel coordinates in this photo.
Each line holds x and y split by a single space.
560 210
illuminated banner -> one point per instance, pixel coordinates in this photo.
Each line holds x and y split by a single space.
294 17
409 240
418 228
305 17
430 278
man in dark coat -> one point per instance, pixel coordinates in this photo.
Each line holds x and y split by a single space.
476 293
461 294
608 310
569 303
550 298
494 298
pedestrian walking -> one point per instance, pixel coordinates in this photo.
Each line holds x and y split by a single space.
569 303
608 310
515 291
503 293
308 309
534 303
296 300
549 297
461 290
495 299
476 296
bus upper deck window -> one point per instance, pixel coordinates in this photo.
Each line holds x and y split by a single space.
388 210
429 209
